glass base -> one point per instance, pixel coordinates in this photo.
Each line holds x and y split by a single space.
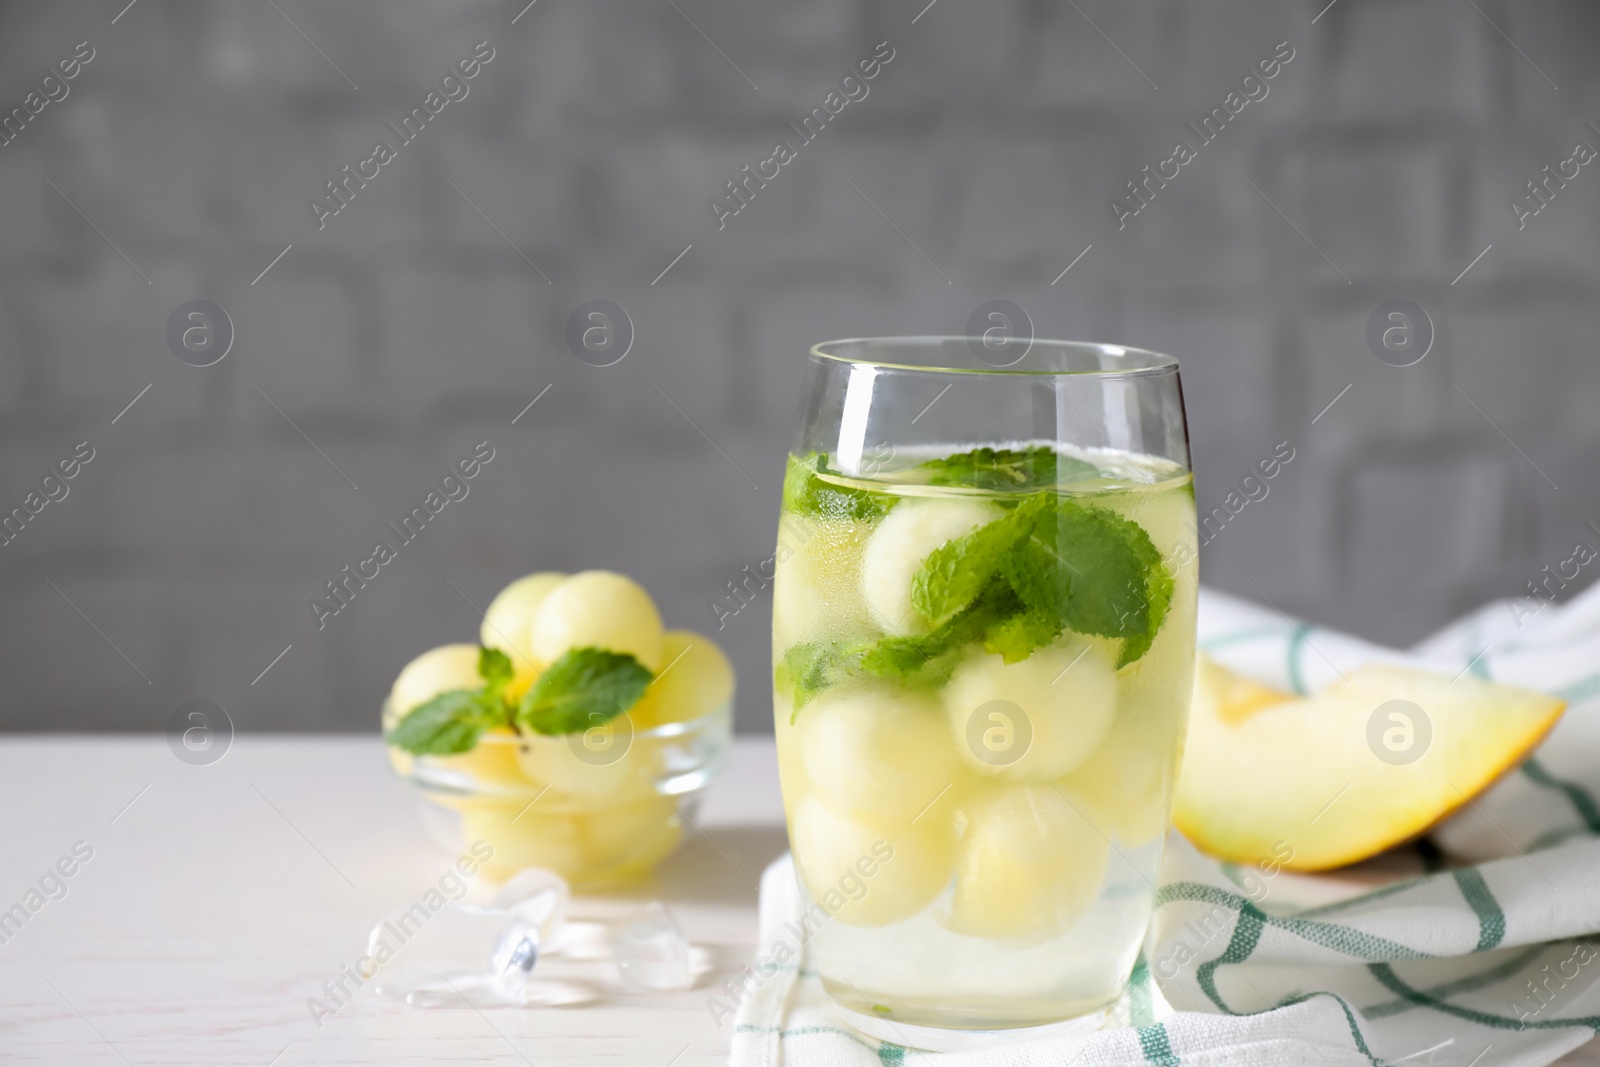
943 1039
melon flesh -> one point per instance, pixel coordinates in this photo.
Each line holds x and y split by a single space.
1267 775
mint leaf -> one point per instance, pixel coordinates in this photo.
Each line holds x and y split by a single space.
809 668
582 689
1041 580
901 658
1100 572
804 493
448 724
924 660
1015 584
453 721
956 572
812 666
1009 468
928 659
1017 636
494 667
1156 596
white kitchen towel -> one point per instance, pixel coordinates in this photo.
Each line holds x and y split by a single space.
1397 961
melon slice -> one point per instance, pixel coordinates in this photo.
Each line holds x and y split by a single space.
1372 761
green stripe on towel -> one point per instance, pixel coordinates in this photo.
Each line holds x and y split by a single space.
1246 934
1223 641
1345 939
1491 920
1445 990
1385 974
1349 1018
1157 1047
1581 690
1587 809
1141 1010
1297 641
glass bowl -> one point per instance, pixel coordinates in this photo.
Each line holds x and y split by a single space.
600 807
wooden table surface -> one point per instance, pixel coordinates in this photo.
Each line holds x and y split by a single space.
218 900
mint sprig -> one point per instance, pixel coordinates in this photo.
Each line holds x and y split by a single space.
448 724
494 667
925 660
585 688
1098 572
1068 565
804 493
453 721
1009 468
810 667
958 571
1015 584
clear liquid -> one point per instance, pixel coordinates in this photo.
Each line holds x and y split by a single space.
953 887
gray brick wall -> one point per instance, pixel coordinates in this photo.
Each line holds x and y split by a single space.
412 326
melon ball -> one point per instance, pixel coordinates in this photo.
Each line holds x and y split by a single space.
900 544
492 763
630 837
1036 719
598 609
876 751
508 623
436 671
866 872
816 587
602 762
696 679
1028 866
524 837
1127 784
1126 788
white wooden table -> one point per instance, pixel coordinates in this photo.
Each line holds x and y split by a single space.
219 899
217 902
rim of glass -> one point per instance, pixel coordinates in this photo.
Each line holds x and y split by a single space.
1154 363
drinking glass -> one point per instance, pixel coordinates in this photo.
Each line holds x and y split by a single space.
983 646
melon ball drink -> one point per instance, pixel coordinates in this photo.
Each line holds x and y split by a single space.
983 657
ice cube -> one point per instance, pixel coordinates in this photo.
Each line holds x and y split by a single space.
650 950
537 897
513 957
416 950
478 955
